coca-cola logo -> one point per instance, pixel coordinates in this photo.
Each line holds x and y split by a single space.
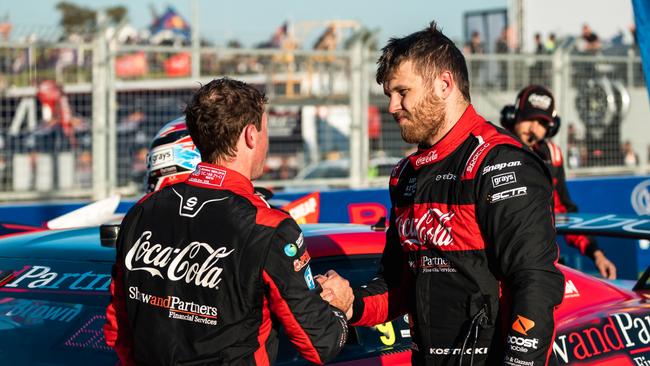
433 227
426 159
196 263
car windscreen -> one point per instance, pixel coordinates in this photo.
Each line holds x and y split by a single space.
52 312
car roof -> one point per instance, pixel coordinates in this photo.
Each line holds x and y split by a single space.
83 244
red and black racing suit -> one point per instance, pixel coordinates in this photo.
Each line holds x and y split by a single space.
206 271
470 252
552 156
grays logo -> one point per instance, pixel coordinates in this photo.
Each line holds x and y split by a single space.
510 193
641 198
187 208
503 179
500 166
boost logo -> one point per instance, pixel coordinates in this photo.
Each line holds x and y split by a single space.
522 325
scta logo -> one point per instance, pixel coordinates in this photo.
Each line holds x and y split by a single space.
640 198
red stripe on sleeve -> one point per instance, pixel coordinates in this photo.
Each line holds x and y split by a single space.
117 330
296 334
375 310
261 355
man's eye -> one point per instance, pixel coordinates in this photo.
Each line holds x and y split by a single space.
402 92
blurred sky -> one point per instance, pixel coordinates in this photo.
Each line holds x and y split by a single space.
252 22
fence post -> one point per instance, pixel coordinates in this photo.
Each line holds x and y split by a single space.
99 110
111 112
356 106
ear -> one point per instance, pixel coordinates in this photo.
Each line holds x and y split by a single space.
446 84
250 136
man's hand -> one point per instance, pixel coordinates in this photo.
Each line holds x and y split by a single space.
606 268
336 291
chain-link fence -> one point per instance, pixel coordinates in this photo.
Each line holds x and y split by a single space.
76 119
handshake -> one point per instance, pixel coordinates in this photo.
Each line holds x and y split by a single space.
336 291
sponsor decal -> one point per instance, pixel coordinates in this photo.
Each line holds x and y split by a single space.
611 221
23 311
617 332
426 159
540 101
640 198
208 175
457 351
305 210
479 150
641 361
522 325
300 241
290 250
448 176
187 207
195 263
514 361
500 166
433 265
503 179
161 157
44 278
510 193
177 307
411 187
570 290
309 279
433 227
301 262
522 344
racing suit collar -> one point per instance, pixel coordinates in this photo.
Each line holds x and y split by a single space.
212 176
441 149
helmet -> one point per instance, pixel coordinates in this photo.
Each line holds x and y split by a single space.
172 156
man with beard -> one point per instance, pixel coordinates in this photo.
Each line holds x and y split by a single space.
470 248
533 119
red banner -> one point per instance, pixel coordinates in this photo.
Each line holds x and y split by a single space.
130 66
178 65
306 209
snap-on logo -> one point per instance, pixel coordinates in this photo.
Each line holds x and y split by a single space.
500 166
426 159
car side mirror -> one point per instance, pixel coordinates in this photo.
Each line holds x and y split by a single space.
108 234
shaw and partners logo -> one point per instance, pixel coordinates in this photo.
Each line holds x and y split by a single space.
196 263
431 227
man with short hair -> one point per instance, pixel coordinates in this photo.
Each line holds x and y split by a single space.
205 270
470 248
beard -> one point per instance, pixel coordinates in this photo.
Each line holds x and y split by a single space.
424 122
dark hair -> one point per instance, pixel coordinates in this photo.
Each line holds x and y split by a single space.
217 114
431 53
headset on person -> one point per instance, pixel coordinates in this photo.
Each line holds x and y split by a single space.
510 113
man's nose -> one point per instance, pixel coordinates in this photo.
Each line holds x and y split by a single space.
394 105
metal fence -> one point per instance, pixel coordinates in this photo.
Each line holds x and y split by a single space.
328 120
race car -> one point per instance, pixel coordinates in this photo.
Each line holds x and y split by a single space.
54 291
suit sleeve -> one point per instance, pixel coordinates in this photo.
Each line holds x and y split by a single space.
117 329
515 210
317 330
585 244
385 297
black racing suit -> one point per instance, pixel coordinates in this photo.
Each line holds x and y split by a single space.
206 271
552 156
470 252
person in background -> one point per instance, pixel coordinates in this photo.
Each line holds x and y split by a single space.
533 119
206 271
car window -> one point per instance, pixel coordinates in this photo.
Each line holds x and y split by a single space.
362 342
